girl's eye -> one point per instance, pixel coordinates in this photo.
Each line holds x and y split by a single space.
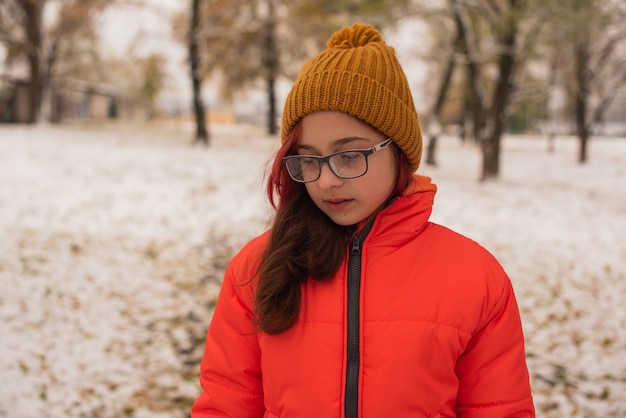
349 157
308 162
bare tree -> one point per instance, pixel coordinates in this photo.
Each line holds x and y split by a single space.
23 36
270 66
22 29
593 48
443 86
493 25
202 134
254 43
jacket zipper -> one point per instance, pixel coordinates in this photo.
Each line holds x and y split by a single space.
354 325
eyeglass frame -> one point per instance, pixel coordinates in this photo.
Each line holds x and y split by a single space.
326 159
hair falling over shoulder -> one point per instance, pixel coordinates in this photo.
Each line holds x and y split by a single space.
303 242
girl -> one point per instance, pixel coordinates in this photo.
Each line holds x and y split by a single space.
354 304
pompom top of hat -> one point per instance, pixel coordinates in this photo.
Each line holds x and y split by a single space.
360 34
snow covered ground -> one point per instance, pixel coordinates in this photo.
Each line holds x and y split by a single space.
113 240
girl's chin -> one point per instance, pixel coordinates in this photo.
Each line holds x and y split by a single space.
343 219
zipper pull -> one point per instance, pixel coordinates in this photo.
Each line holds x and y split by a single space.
356 247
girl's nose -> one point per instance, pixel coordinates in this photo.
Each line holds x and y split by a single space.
327 178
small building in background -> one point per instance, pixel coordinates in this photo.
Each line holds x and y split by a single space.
80 100
92 101
14 101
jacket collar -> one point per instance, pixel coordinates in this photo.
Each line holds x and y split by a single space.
406 216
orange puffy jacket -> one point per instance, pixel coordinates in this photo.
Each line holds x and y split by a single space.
418 322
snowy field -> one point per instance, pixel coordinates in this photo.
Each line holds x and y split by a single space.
113 240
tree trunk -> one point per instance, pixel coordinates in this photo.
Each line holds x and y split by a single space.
584 140
475 96
444 84
32 14
497 115
202 134
504 87
272 126
431 149
270 64
582 129
34 87
581 57
46 95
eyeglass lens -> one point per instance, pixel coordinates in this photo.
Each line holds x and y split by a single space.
347 164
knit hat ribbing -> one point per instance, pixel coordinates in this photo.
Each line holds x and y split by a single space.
358 74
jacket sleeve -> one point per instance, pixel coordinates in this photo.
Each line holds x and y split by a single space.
492 372
230 372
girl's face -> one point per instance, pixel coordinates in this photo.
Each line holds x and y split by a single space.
347 201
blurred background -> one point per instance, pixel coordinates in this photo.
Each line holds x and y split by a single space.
133 138
477 68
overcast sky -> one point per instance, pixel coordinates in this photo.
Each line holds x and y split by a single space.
128 30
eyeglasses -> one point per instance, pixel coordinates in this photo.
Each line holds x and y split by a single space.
347 164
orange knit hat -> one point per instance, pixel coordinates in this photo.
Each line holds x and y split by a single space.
358 74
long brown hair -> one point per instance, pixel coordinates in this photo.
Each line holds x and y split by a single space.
303 242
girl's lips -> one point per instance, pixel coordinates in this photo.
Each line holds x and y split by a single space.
338 204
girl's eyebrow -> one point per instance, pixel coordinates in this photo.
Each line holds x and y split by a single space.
349 139
336 142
